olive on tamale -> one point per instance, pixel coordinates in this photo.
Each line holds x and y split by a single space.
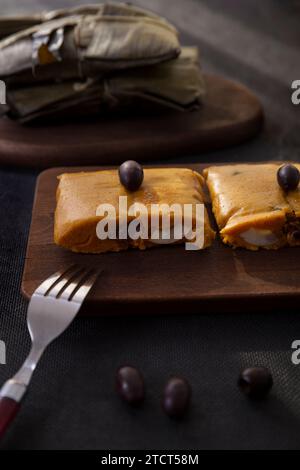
81 46
176 84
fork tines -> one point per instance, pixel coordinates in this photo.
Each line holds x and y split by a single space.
73 283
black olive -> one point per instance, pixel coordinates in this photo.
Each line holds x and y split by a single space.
256 382
288 177
176 397
130 385
131 175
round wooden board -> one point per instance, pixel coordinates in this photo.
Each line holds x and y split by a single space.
230 115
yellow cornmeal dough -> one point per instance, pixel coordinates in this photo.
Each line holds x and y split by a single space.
251 209
79 195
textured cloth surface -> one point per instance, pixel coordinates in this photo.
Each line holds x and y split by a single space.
72 403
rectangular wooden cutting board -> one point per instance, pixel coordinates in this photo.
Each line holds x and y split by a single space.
164 279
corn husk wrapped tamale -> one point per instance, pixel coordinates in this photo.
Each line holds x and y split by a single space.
176 84
95 59
13 24
86 45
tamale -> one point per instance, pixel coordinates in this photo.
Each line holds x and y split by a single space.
251 209
176 84
93 59
87 45
13 24
79 194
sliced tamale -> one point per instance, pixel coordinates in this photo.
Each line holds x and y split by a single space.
86 45
251 209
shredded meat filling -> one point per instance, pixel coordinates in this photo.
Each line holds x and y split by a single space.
292 229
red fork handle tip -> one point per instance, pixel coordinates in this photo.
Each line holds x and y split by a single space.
8 410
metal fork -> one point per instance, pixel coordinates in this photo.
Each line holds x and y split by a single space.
53 306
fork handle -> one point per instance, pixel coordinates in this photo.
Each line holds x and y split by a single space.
11 395
8 410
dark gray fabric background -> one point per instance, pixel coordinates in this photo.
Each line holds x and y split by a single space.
72 404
